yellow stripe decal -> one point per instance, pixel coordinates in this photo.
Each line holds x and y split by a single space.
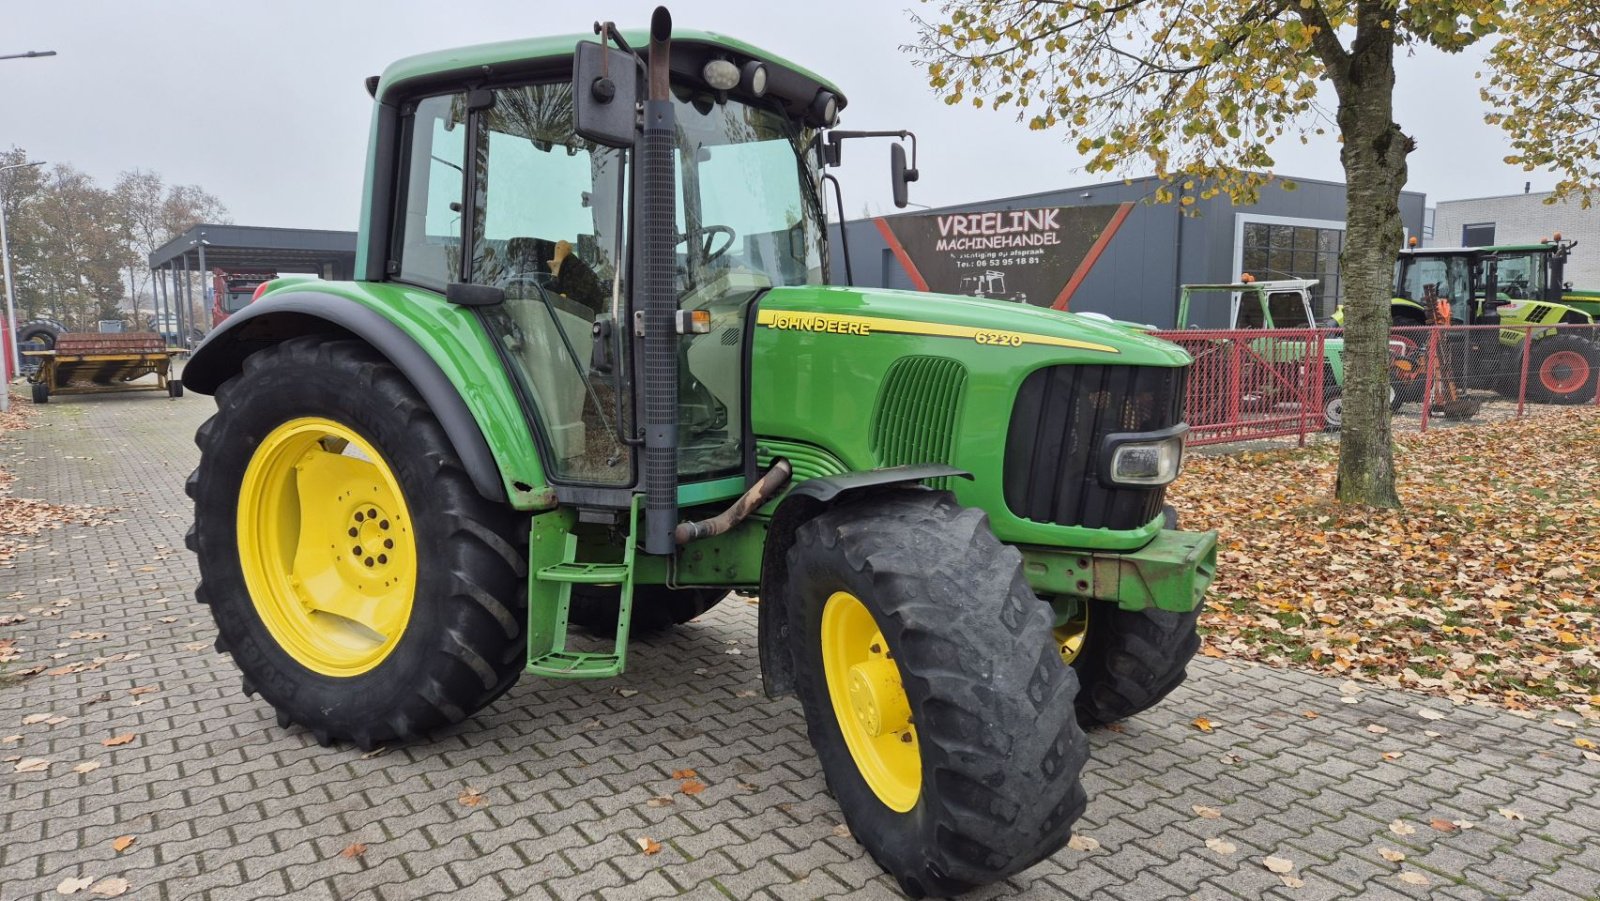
841 324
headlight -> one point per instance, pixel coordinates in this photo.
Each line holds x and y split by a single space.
1143 460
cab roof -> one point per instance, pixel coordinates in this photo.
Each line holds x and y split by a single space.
521 52
1467 251
1282 284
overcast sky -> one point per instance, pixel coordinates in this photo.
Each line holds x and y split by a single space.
262 103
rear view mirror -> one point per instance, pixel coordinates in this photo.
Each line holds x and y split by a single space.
605 92
900 174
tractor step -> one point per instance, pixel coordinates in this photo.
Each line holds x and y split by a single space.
553 560
576 665
587 573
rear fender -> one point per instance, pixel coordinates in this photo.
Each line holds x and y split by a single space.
438 347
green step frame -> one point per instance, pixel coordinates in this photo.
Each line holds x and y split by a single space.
553 569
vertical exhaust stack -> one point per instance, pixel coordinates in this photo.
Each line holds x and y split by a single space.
658 294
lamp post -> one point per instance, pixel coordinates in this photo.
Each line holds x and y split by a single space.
5 261
5 258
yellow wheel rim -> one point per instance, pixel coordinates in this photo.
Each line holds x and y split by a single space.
870 703
326 545
1071 634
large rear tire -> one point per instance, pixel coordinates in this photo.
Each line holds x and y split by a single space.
43 331
933 694
655 607
360 582
1563 370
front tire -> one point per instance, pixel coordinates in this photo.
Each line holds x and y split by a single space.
360 582
1131 660
939 706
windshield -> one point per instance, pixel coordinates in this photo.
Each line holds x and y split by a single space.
747 200
1521 276
748 219
1449 276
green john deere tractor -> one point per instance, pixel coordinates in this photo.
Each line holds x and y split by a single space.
592 373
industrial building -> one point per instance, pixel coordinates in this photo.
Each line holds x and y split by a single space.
1110 248
1523 219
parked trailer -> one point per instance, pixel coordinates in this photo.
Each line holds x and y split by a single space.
89 363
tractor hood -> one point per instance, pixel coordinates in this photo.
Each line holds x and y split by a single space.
846 379
982 332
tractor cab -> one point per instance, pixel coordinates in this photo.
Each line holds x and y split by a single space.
1253 304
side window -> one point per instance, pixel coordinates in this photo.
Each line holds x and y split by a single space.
429 230
1288 310
1251 314
546 232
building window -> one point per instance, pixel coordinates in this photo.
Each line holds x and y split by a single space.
1479 235
1273 251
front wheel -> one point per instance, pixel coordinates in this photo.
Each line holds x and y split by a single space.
1563 370
939 706
356 576
1333 406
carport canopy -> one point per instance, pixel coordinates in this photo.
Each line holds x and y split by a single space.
250 248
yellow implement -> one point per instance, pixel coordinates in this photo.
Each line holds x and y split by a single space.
92 363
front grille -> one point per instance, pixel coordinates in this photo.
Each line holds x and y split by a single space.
1058 422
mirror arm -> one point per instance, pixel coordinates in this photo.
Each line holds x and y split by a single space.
844 235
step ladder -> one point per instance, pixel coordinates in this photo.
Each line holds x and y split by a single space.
550 599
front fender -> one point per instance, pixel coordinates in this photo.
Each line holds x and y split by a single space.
439 347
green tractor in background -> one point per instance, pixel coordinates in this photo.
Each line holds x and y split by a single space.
592 373
1519 286
1274 372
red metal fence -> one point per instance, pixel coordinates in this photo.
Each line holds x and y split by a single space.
1249 384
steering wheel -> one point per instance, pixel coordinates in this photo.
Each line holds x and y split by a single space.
708 235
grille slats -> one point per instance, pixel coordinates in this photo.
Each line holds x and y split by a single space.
914 418
1059 419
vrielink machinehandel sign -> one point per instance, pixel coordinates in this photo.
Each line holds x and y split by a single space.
1036 256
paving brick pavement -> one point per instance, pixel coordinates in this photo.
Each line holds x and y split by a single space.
223 804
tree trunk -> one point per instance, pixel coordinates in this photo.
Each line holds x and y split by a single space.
1374 157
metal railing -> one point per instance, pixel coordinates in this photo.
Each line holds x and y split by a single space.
1250 384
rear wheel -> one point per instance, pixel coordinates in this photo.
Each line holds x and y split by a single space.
933 693
1563 370
655 607
41 331
361 583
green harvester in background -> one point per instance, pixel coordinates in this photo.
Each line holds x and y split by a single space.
593 377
